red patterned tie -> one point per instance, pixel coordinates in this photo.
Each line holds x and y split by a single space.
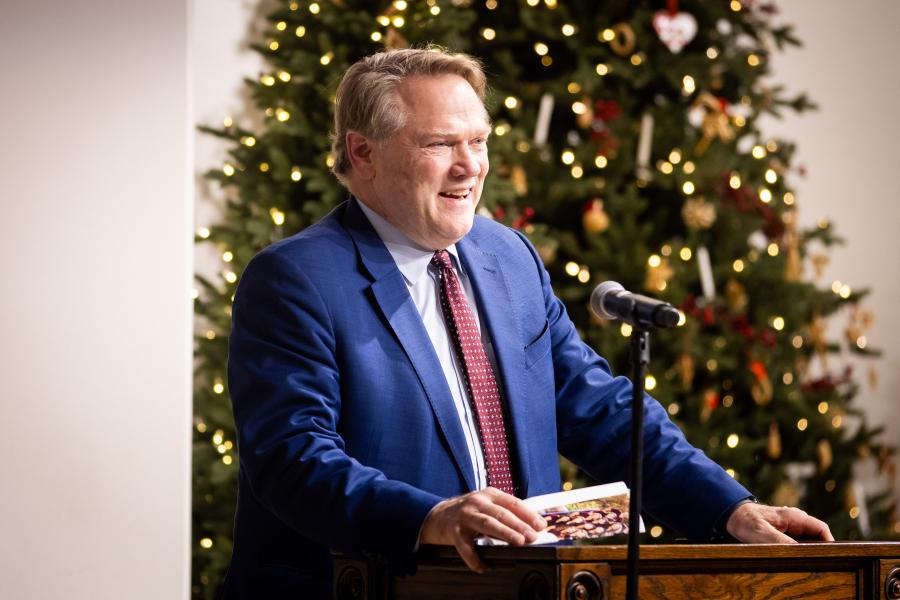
481 384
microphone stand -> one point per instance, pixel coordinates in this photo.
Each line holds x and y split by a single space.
640 358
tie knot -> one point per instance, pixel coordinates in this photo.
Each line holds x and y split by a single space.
441 260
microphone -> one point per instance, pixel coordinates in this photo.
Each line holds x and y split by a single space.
610 300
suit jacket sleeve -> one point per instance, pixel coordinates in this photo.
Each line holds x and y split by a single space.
683 487
285 384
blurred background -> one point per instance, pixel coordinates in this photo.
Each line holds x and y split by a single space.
104 192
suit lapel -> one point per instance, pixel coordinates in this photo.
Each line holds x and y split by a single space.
496 310
392 298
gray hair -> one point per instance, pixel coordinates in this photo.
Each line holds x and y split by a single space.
366 100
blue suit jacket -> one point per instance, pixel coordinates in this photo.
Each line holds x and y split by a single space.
347 431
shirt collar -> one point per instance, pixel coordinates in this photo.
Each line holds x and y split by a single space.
411 258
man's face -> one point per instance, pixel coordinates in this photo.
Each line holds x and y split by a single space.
427 178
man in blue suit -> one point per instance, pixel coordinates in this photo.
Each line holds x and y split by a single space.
359 386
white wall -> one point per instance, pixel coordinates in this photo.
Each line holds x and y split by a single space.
849 65
95 256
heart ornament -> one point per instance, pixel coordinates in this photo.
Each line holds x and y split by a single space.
675 29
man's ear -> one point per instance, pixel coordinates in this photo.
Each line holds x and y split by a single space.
360 150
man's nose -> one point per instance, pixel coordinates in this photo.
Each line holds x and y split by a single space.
466 162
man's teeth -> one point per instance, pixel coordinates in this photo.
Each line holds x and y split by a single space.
456 195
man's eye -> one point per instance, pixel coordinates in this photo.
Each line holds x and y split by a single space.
439 144
480 141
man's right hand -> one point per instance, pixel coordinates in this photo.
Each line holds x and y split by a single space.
458 521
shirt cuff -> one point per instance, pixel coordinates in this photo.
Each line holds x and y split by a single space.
720 531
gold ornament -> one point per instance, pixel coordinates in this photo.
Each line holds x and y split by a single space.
623 43
395 40
710 402
658 277
686 369
586 119
793 269
774 445
786 494
761 390
519 180
547 251
595 219
715 122
859 324
826 456
698 214
820 261
736 294
816 335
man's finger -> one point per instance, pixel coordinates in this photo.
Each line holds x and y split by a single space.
801 525
522 511
466 550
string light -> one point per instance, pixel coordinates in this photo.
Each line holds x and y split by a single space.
732 473
573 87
861 342
674 408
568 157
735 5
228 169
277 216
577 171
845 291
758 152
579 108
734 182
778 323
654 260
688 167
203 232
227 459
282 115
802 424
637 59
436 10
625 329
650 383
836 421
797 341
491 4
765 195
772 249
727 401
733 440
229 276
314 8
584 275
771 146
836 286
788 198
738 265
248 141
675 156
273 45
787 378
210 334
227 122
600 161
572 269
511 102
533 2
206 543
568 30
326 58
712 53
607 35
398 21
541 48
218 437
195 293
822 408
656 531
227 256
376 36
281 26
602 69
400 4
753 60
712 365
284 76
296 174
264 167
567 486
501 129
666 167
300 31
687 85
688 187
218 388
771 176
383 20
488 33
682 319
685 254
267 80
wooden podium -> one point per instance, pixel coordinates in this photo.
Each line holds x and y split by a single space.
826 571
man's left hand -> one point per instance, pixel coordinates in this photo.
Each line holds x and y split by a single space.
760 524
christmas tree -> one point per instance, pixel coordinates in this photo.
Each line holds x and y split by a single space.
627 146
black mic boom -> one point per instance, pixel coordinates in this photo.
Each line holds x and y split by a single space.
610 300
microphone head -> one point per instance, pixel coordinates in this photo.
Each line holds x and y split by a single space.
600 294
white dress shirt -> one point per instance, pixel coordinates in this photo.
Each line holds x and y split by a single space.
422 281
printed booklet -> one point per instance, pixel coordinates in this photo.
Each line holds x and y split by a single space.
586 513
